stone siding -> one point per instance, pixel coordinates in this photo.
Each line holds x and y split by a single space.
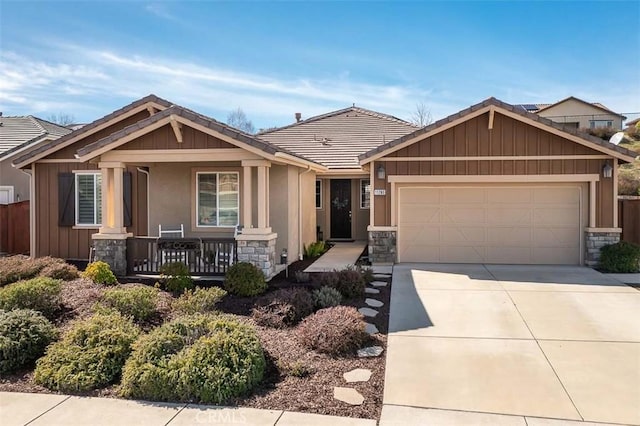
594 242
261 253
113 252
382 247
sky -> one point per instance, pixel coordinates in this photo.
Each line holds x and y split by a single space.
273 59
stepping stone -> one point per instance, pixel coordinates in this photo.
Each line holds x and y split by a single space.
374 303
378 283
371 290
371 329
348 395
381 276
357 375
370 351
382 269
368 312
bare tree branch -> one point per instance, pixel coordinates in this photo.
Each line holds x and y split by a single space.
61 119
239 120
421 116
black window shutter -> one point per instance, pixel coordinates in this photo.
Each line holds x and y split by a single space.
66 199
126 193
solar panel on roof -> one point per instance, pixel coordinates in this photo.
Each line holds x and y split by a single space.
530 107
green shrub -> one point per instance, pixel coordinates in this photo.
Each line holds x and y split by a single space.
314 249
89 356
622 257
40 294
60 271
197 358
367 273
337 330
175 277
199 300
295 368
24 335
326 297
139 302
244 279
100 273
16 268
350 282
283 308
301 277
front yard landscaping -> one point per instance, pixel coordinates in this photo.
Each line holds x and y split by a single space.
284 344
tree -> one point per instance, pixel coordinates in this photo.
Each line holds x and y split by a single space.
61 119
421 116
239 120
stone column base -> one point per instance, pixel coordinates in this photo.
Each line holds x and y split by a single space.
595 239
382 246
259 250
112 249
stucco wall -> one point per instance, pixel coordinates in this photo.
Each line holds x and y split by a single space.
575 111
10 176
359 217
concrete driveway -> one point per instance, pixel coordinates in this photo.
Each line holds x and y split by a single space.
534 341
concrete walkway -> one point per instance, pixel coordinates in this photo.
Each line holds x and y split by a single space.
520 341
52 410
338 257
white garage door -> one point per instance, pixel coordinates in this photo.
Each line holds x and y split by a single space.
489 224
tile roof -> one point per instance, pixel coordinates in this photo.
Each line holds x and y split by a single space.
337 138
539 107
19 132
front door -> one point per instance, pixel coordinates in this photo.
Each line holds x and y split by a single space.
340 208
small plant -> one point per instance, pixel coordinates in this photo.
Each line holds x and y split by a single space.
17 268
328 279
622 257
367 273
350 282
314 249
175 277
301 277
89 356
335 331
245 279
24 335
60 271
326 297
199 300
40 294
100 273
139 302
295 369
283 308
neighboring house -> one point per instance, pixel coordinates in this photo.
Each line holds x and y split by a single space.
578 114
632 123
18 134
491 184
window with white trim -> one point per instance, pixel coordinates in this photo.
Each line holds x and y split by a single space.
217 199
88 199
365 193
596 124
318 194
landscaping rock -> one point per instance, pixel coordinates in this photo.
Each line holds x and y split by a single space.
368 312
371 291
371 329
370 351
374 303
357 375
381 276
348 395
378 283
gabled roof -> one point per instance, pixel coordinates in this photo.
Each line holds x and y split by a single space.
468 113
537 108
337 138
17 133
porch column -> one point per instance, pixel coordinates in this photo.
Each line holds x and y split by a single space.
263 198
247 219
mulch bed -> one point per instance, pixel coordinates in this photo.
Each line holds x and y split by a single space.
279 390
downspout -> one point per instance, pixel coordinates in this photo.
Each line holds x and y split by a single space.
300 254
146 172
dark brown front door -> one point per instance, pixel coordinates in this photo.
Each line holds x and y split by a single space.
340 208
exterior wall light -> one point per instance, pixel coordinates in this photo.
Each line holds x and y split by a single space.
381 172
607 170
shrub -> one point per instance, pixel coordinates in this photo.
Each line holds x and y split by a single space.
202 358
199 300
295 368
629 180
16 268
175 277
326 297
350 282
40 294
283 308
335 331
367 273
314 249
139 302
328 279
100 273
622 257
301 277
24 335
89 356
244 279
60 271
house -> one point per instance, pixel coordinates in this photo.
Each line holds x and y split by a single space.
18 134
492 183
578 114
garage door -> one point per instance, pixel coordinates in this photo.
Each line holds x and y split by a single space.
489 224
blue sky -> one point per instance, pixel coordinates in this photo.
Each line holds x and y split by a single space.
273 59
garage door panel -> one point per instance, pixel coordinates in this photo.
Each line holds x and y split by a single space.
510 196
462 215
556 216
456 197
472 254
463 235
509 236
421 214
509 215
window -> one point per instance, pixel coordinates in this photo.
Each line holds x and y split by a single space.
318 194
595 124
88 199
217 199
365 193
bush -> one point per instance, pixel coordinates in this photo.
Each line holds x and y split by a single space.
350 282
18 268
197 358
301 277
40 294
100 273
199 300
60 271
175 277
314 249
326 297
89 356
622 257
24 335
335 331
629 179
138 302
283 308
295 369
244 279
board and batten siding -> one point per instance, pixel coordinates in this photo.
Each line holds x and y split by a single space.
508 137
165 138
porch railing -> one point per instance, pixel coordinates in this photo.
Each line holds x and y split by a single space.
203 256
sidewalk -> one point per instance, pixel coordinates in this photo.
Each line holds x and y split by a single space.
338 257
47 409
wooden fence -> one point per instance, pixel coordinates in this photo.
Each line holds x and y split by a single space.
14 228
629 219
